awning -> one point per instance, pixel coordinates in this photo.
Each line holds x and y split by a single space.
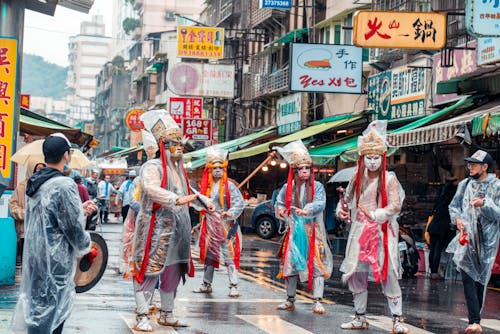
292 36
487 123
38 125
322 154
336 122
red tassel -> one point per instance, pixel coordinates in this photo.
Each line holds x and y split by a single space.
288 194
237 252
203 255
358 178
385 266
228 192
163 159
140 277
310 258
191 265
312 183
204 182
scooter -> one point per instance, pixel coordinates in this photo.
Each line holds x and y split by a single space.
408 253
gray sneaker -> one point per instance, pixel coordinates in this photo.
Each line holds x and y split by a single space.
204 288
143 324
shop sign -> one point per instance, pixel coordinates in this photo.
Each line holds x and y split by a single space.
185 107
288 113
403 30
25 101
200 42
488 50
464 62
197 129
199 79
482 18
8 72
398 93
326 68
275 4
133 120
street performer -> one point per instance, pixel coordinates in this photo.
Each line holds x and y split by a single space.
220 232
374 197
475 210
163 228
305 253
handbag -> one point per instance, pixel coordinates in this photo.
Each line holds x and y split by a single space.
427 235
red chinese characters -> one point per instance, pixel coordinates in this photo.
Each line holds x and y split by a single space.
374 29
4 61
308 81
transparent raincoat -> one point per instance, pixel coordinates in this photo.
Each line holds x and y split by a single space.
128 232
364 250
55 237
302 231
481 224
220 230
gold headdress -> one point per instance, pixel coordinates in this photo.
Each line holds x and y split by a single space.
295 153
216 157
372 141
162 126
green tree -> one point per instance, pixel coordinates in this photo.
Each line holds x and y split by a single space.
40 78
130 24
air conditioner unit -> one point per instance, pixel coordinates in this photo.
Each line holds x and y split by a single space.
169 15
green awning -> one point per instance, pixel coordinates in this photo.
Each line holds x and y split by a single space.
304 133
323 154
292 36
49 125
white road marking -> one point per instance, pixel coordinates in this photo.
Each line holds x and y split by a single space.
237 300
273 324
5 318
490 323
130 321
386 324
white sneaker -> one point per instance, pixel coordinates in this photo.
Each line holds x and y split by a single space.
359 322
167 319
233 291
318 308
289 305
398 327
204 288
143 324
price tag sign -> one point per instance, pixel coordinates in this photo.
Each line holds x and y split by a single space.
197 129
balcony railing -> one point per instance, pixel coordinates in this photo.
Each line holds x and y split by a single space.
257 85
259 16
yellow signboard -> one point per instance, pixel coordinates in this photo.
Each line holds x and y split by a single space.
8 71
200 42
402 30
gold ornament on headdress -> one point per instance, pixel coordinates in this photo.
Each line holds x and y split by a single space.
373 139
216 157
162 133
295 153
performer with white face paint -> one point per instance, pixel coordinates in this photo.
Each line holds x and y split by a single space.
374 197
305 252
220 232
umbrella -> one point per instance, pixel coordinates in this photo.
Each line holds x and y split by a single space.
33 153
343 175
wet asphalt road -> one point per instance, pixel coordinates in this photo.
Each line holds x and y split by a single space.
429 306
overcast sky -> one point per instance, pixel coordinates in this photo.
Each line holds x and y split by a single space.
48 36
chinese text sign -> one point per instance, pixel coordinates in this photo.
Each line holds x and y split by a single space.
197 129
133 120
8 71
278 4
185 107
482 18
200 42
404 30
288 113
326 68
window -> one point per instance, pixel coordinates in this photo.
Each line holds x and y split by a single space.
336 34
348 32
327 35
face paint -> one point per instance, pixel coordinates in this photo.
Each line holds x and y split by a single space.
176 149
373 162
217 172
304 172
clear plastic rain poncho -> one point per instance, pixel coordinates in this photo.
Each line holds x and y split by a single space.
477 257
55 237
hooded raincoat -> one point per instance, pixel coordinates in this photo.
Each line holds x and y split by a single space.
55 237
481 224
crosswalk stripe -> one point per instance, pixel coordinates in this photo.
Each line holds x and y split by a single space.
130 321
490 323
273 324
386 324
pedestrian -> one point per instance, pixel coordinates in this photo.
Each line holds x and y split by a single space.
104 190
123 194
220 233
300 203
17 206
440 226
374 197
91 183
82 190
163 228
475 210
55 237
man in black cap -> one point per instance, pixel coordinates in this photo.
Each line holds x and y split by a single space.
475 210
55 237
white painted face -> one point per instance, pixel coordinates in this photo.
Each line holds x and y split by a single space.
217 172
304 172
373 162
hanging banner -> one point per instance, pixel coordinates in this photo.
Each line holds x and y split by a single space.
488 50
326 68
275 4
8 73
200 42
482 18
25 101
288 116
133 120
403 30
197 129
185 107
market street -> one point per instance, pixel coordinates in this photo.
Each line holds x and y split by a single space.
429 306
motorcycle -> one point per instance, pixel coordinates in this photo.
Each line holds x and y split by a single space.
408 253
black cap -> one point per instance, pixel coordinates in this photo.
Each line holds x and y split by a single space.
55 145
480 157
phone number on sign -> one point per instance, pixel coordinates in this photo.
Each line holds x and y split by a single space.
276 3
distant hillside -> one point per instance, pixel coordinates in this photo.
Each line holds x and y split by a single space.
41 78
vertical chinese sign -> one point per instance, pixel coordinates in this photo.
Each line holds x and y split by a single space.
288 113
8 72
185 107
482 18
404 30
200 42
